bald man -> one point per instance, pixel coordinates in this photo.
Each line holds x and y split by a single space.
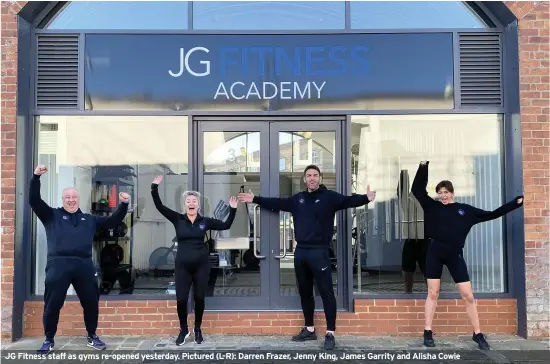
70 234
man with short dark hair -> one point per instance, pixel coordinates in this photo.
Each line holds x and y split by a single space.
313 211
70 234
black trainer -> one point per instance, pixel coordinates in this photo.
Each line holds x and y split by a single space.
429 339
330 342
198 336
480 340
304 335
184 334
95 342
46 347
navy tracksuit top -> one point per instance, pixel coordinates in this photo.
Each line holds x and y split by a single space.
313 213
70 235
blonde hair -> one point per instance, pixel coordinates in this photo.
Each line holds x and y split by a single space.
187 194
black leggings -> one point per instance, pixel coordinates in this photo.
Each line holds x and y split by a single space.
196 273
310 265
440 254
60 274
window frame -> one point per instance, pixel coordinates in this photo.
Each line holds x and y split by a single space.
509 134
191 175
476 8
507 220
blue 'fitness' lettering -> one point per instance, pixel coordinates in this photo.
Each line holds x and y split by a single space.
297 61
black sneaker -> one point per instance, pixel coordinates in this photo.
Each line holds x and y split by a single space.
46 347
330 342
198 336
304 335
480 340
183 335
429 339
96 343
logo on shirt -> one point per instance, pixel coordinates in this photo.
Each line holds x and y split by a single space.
461 212
82 219
317 201
65 217
202 226
301 200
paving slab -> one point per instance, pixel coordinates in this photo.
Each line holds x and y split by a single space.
249 349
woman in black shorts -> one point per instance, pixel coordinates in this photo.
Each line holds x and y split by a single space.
192 258
447 224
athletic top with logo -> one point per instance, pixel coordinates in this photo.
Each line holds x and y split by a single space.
451 223
70 235
313 213
190 235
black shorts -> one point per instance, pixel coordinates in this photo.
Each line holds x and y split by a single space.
440 254
414 251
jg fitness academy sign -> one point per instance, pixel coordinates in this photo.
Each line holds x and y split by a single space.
274 63
284 69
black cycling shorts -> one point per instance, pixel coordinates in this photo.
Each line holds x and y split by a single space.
440 254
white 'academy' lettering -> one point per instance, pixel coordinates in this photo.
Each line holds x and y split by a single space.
269 90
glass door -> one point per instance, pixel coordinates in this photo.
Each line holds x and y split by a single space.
233 158
253 262
293 146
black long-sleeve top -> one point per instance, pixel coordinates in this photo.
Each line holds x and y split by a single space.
313 213
190 235
450 224
70 235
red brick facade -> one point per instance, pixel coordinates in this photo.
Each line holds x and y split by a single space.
371 317
380 317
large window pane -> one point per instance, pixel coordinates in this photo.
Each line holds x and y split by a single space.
95 153
413 15
268 15
127 15
232 159
386 151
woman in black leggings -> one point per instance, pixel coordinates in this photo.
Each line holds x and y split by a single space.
447 224
192 263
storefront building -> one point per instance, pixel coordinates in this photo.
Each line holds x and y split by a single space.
223 97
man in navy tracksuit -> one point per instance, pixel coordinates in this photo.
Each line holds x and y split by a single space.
70 234
313 211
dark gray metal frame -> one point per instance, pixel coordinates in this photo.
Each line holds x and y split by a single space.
269 128
34 14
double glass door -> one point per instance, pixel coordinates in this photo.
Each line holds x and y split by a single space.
267 157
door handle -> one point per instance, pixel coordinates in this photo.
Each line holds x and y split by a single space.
254 239
285 240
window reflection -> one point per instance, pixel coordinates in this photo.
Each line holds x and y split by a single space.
268 15
231 161
413 15
102 154
128 15
389 245
264 15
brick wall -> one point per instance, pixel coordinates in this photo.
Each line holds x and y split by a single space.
534 40
371 318
534 62
8 24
